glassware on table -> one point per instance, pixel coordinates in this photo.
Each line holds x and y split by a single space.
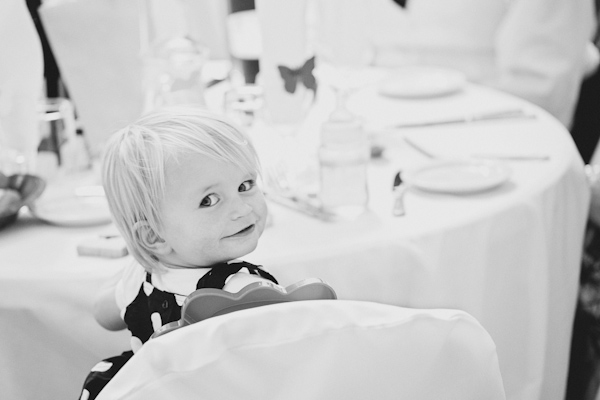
61 145
343 49
242 103
344 52
343 158
173 73
172 60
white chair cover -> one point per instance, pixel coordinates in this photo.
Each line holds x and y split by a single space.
98 45
21 83
321 349
97 48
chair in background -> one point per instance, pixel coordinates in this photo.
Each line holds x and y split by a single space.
319 349
99 47
21 82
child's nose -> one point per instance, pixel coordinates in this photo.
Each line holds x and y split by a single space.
240 208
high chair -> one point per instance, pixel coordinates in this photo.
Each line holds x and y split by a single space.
317 349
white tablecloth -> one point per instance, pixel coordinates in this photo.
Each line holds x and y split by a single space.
509 256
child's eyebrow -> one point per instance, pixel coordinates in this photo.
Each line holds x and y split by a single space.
211 186
207 188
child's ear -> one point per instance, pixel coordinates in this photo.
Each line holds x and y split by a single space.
149 239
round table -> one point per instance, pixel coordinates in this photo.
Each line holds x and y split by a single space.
508 256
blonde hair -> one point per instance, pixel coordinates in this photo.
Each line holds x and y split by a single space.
135 159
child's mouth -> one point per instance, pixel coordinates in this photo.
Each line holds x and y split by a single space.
246 231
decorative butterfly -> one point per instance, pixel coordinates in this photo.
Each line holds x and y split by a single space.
304 74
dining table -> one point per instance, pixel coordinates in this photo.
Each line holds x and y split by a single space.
506 250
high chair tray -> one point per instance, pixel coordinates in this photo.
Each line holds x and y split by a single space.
205 303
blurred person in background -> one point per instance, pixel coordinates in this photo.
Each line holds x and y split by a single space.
586 121
542 51
539 50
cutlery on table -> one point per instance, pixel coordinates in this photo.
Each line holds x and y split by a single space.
399 189
512 157
485 156
488 116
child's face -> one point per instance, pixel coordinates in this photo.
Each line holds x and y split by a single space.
212 212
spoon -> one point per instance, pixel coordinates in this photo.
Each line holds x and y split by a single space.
399 189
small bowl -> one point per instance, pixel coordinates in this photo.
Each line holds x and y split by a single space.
17 191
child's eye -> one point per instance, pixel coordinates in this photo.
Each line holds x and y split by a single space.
209 201
246 185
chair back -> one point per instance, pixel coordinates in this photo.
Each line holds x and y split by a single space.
317 349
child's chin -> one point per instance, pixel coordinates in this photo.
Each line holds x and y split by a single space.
245 248
251 247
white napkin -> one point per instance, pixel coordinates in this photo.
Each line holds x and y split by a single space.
284 42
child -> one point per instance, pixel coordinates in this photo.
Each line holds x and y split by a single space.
181 186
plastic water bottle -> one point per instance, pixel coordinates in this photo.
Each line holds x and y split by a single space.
343 158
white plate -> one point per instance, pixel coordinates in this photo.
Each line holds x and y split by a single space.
458 176
422 82
73 211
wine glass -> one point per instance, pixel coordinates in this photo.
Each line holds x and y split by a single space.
343 49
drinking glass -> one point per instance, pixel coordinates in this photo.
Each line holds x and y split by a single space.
343 48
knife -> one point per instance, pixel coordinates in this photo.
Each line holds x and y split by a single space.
485 156
498 115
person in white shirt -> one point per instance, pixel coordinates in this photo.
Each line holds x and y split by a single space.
539 50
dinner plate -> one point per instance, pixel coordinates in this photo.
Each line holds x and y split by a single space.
73 211
422 82
458 176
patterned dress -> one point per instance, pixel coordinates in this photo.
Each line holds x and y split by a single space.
151 309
